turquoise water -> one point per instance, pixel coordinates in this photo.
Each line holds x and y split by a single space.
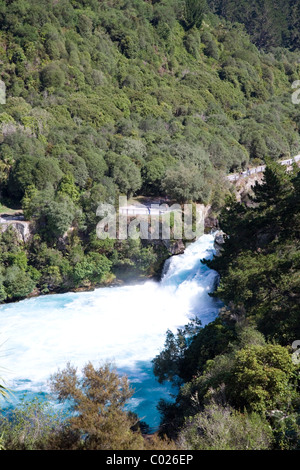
124 325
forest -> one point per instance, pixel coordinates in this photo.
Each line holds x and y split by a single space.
269 23
108 98
157 98
238 374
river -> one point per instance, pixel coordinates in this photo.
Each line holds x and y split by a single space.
124 325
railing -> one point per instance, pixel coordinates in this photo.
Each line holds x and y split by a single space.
260 169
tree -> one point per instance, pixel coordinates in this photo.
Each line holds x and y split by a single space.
126 175
67 187
31 425
275 187
223 428
249 374
185 183
262 378
258 378
194 12
53 216
169 363
93 268
259 265
33 171
95 163
98 400
269 26
52 76
153 172
17 282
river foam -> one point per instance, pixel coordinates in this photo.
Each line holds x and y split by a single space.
124 325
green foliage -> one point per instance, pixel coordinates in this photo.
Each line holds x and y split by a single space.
126 175
286 430
17 282
153 173
194 12
168 364
57 217
262 378
98 400
268 24
95 419
33 171
67 187
186 183
252 376
93 267
223 428
131 258
32 425
186 354
229 362
139 98
149 83
260 274
52 76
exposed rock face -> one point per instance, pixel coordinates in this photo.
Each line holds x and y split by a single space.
219 242
24 230
263 238
243 187
175 247
17 222
211 223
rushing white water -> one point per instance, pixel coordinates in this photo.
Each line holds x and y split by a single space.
124 325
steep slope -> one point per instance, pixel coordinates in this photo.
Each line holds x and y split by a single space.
127 97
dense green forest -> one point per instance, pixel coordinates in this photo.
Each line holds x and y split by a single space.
117 97
237 378
239 383
158 98
270 23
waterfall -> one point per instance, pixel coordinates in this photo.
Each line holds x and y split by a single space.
124 325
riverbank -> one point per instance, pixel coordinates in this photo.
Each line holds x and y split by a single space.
32 268
130 278
125 325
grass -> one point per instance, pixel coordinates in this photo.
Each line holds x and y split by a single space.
9 207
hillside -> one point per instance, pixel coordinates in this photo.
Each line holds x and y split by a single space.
241 371
270 23
153 99
126 97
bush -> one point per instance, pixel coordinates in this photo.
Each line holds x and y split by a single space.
32 425
52 76
185 184
223 428
100 421
17 282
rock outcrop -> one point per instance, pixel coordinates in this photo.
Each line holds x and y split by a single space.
17 222
219 241
243 187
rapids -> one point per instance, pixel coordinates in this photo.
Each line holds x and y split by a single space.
124 325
